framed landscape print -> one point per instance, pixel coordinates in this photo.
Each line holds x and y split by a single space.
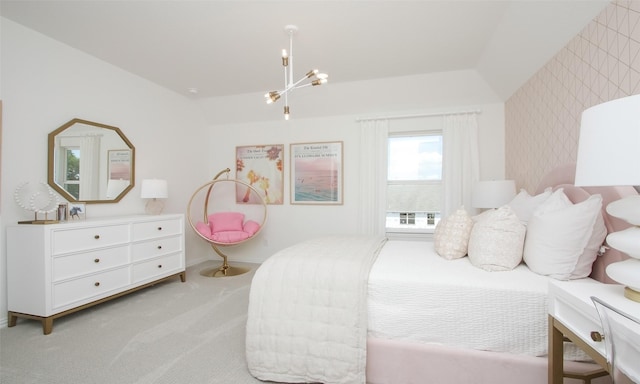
119 164
316 173
262 167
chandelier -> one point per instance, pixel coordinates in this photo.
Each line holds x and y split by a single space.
313 77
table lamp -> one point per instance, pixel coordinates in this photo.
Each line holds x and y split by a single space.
608 156
154 190
493 193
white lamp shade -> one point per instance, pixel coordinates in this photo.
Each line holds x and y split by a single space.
609 144
154 189
493 193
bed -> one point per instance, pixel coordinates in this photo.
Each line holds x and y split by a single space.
356 309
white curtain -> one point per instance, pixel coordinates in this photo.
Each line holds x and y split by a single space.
373 176
89 167
460 169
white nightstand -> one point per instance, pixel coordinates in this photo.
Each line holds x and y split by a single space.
572 315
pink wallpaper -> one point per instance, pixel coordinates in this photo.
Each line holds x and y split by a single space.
543 117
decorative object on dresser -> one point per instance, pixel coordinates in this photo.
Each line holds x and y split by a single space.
62 268
493 193
607 156
154 190
39 199
221 219
289 84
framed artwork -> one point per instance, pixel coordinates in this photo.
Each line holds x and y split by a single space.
119 162
316 173
77 211
262 167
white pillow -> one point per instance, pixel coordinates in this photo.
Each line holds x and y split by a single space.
524 204
497 240
563 238
451 236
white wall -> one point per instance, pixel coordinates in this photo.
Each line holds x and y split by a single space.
45 84
320 115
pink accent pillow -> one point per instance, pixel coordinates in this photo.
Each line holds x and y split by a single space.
203 229
229 236
251 227
226 221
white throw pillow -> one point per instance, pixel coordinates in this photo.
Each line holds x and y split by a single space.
524 204
451 236
563 238
497 240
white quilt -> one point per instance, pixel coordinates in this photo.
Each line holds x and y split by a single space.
307 317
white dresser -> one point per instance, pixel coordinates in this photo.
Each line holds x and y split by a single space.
57 269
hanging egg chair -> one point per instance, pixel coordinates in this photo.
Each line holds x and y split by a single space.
226 212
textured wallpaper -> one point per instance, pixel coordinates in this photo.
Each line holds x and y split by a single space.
602 63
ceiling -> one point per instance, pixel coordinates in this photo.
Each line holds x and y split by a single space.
227 48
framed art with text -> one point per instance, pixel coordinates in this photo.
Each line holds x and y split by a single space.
316 173
262 167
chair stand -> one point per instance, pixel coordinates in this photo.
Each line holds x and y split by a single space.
225 269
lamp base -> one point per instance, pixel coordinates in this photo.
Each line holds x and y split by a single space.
154 207
632 294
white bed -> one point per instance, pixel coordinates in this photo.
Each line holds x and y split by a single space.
317 314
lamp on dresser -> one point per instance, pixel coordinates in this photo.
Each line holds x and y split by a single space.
154 190
608 156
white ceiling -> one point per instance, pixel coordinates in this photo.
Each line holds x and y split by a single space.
233 47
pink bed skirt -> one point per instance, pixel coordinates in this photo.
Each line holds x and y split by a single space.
395 362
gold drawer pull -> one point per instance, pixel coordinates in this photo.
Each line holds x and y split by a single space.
96 260
97 283
97 237
159 265
597 336
159 228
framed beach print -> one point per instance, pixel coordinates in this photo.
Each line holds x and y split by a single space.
119 162
316 173
262 167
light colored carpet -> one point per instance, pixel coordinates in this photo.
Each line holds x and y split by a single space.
173 332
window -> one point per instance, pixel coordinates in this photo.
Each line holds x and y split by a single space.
414 181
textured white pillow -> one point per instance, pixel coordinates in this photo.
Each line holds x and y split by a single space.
497 240
452 235
563 238
524 204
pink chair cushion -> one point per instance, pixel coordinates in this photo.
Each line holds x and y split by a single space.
251 227
229 236
226 221
203 229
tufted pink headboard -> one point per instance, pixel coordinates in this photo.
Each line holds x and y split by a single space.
564 177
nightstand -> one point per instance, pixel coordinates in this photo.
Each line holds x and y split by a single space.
572 315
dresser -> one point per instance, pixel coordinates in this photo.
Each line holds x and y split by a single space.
573 316
57 269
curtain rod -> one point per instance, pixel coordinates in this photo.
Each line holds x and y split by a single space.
431 114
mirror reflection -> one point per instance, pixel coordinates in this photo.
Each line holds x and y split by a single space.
90 162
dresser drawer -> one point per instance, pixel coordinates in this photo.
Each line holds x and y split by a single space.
162 266
89 287
155 229
80 239
79 264
154 248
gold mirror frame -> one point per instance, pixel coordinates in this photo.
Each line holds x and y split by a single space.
51 176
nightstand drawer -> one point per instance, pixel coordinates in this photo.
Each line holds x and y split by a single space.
68 266
80 239
89 287
162 266
155 229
